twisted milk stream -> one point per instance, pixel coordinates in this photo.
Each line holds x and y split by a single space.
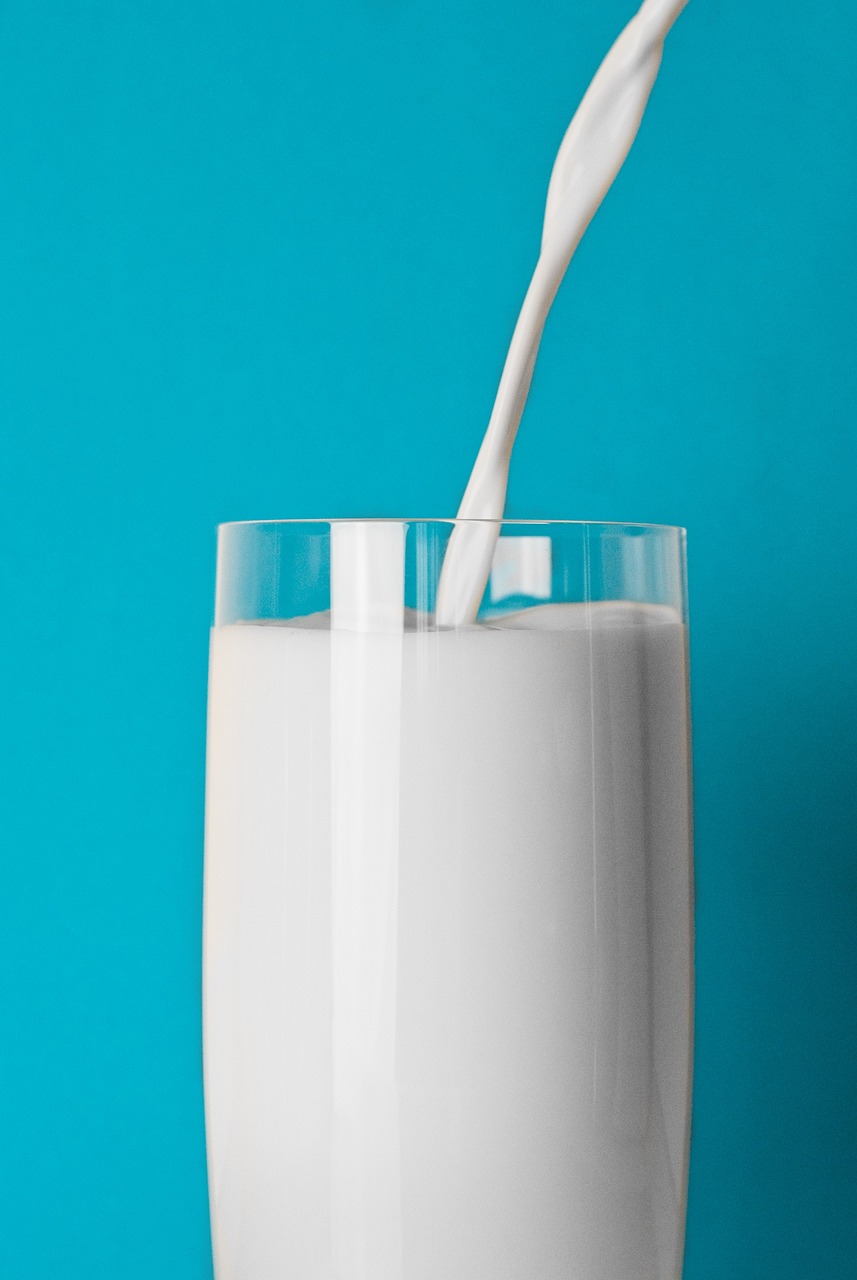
592 153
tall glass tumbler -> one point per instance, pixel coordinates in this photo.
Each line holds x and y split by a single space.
448 906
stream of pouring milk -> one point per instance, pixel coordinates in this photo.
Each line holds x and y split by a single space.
592 153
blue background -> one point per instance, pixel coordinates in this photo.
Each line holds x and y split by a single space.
263 259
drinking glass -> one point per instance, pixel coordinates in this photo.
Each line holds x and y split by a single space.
448 906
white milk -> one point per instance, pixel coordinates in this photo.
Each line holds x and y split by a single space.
448 949
447 905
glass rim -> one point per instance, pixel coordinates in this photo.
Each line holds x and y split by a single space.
455 520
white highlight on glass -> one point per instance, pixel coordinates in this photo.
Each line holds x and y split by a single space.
521 567
367 575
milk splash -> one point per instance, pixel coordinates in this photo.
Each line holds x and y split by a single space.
592 153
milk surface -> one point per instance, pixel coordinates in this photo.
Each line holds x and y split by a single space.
448 949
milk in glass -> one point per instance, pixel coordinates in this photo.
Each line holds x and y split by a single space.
447 948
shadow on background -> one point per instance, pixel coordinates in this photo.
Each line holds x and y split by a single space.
773 1183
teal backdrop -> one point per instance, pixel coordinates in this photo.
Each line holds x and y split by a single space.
260 259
